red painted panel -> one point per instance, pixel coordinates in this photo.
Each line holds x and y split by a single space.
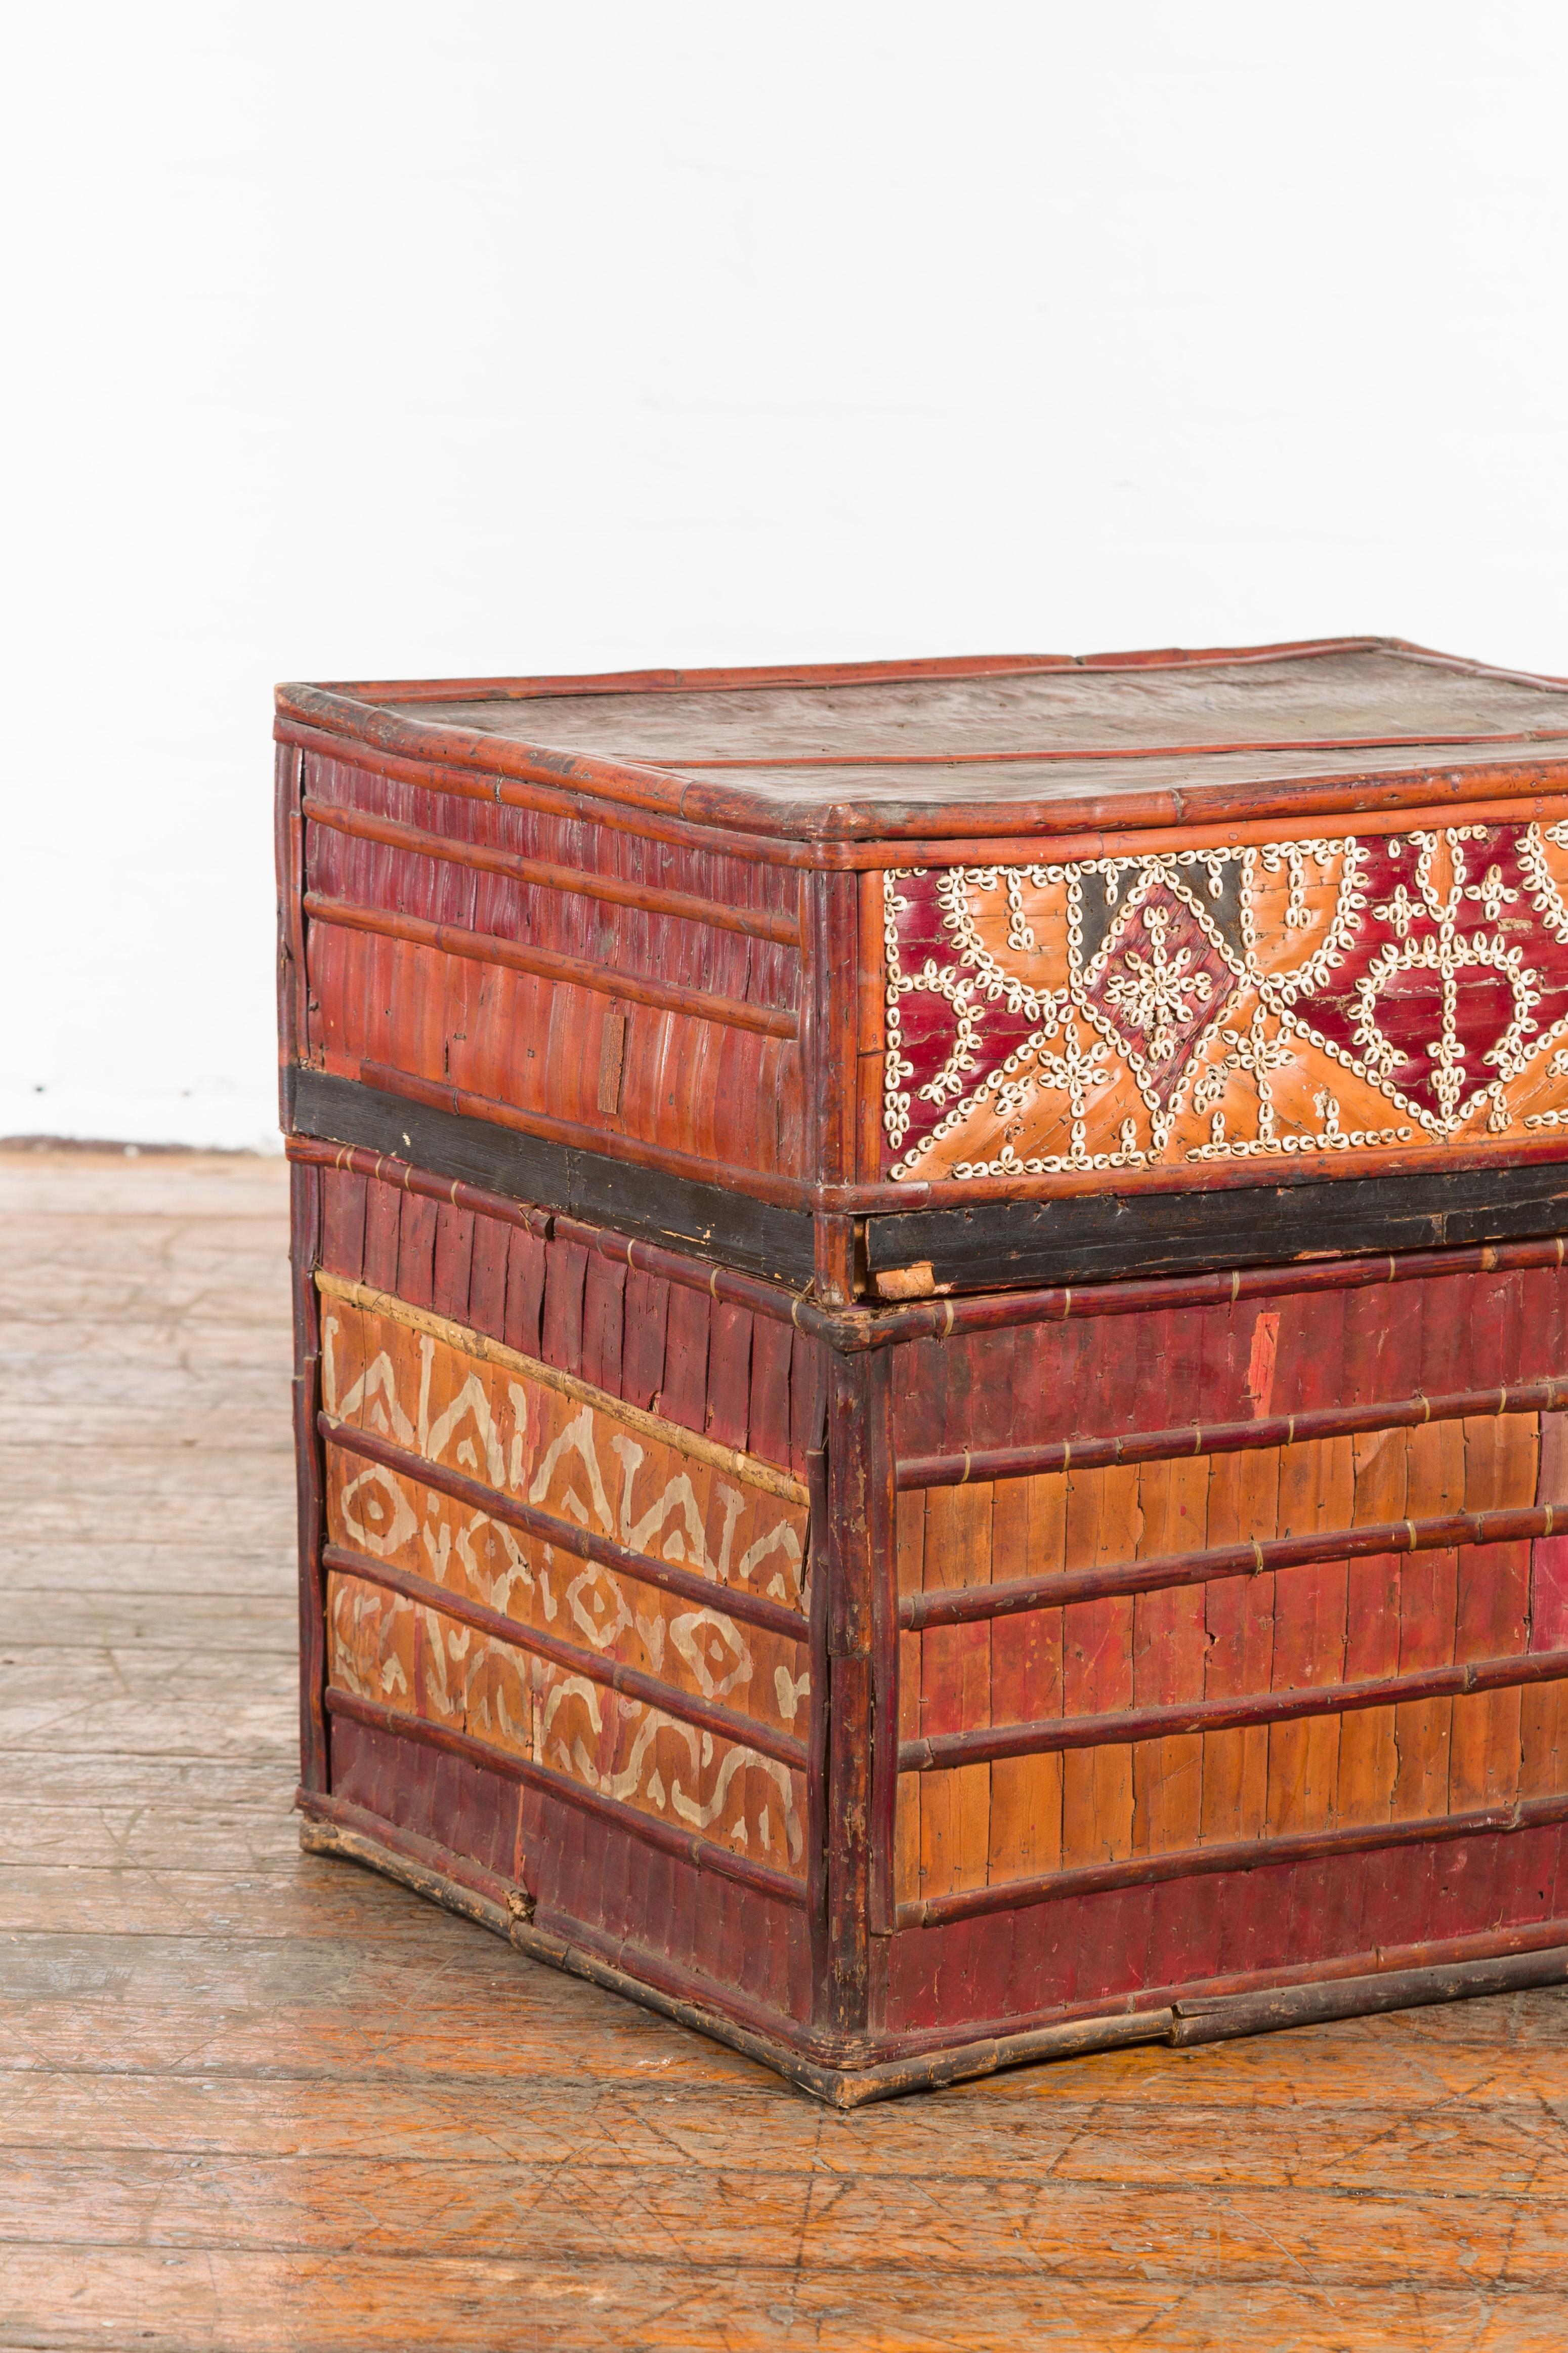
525 1291
768 1407
382 1203
684 1396
416 1249
1222 1360
1383 1329
487 1277
342 1223
564 1278
1531 1874
602 1322
454 1256
1184 1931
1493 1324
645 1313
1544 1323
919 1380
728 1372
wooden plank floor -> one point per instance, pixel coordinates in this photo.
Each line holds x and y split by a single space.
254 2100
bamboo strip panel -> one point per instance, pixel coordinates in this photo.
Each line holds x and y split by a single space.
1284 1630
529 1430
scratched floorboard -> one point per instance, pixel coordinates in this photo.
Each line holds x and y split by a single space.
251 2100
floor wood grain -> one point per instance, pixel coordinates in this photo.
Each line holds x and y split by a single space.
250 2099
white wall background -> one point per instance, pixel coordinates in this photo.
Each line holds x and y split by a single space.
368 339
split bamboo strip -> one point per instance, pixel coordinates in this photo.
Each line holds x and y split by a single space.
1056 754
1120 1727
573 972
1242 1854
963 1605
757 923
1226 1437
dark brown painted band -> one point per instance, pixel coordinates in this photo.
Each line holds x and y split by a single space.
704 1854
980 1463
548 963
941 1751
485 858
475 1109
939 1319
730 1601
967 1605
668 1699
1093 1235
1430 1197
1205 1861
764 1222
671 1196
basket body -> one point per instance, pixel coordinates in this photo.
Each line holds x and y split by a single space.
930 1313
